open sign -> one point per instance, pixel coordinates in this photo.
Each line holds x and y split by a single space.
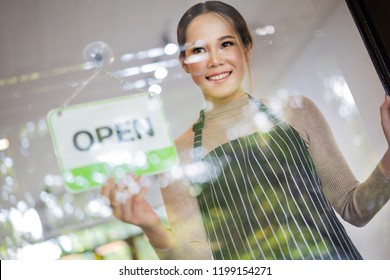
111 138
130 130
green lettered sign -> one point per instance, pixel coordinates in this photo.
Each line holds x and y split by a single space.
111 138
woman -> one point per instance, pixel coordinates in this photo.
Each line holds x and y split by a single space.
265 183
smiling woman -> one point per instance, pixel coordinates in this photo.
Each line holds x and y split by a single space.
270 191
216 60
220 71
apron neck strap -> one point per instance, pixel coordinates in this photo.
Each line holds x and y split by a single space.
197 128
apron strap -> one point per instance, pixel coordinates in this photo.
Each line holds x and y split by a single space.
197 128
264 109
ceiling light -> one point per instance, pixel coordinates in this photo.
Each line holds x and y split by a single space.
4 144
170 49
266 30
161 73
155 89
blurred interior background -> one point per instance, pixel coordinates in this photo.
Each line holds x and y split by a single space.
308 47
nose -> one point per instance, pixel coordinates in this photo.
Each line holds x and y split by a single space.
215 59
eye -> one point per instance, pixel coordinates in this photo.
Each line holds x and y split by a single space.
227 44
198 50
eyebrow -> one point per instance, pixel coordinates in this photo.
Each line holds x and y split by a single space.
199 42
226 37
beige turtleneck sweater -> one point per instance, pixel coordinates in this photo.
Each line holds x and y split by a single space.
356 202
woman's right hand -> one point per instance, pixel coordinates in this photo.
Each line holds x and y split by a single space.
129 207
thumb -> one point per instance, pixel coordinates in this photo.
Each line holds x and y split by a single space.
141 195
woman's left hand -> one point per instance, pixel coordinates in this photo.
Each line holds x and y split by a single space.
385 118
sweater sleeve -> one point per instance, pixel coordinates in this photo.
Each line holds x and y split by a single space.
356 202
183 213
186 223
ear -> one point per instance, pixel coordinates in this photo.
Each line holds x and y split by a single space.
247 53
247 47
183 65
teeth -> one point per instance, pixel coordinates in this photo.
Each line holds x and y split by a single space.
219 77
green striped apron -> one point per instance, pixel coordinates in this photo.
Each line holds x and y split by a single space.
263 198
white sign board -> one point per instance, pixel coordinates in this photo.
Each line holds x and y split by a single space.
111 138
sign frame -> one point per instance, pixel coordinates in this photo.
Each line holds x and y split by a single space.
90 175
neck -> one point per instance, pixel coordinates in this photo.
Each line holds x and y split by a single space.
228 108
217 102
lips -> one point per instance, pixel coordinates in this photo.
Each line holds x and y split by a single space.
219 76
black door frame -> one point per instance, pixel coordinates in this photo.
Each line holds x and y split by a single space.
370 18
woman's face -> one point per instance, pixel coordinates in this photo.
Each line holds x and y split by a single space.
214 58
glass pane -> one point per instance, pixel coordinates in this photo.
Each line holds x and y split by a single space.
301 47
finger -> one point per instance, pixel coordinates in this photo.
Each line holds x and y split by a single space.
105 191
141 195
122 195
130 209
386 103
134 176
116 205
131 183
112 193
126 210
385 109
117 211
